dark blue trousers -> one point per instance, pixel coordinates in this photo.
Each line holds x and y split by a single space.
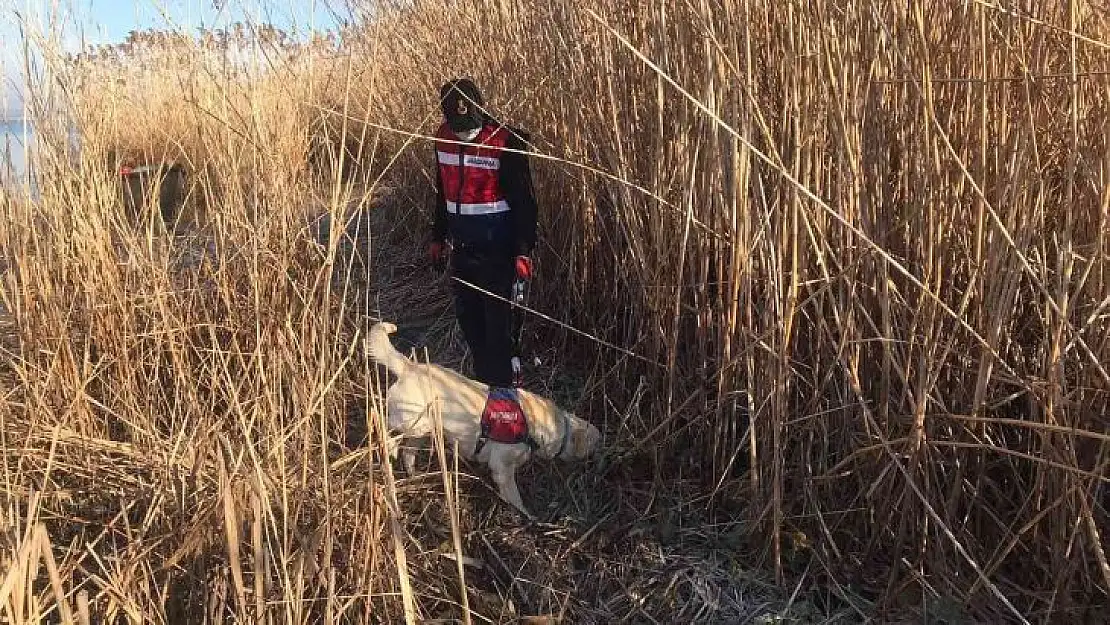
486 322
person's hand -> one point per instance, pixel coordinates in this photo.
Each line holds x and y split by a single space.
437 252
524 267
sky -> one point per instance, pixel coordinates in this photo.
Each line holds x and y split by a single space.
109 21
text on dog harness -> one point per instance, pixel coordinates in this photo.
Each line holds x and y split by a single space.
503 421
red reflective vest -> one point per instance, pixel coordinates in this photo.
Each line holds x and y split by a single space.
469 171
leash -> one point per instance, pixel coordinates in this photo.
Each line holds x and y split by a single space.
520 298
565 325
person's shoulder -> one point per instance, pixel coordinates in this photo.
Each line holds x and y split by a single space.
518 138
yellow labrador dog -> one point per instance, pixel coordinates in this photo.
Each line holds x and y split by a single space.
409 401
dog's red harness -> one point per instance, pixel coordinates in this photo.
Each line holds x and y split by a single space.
503 421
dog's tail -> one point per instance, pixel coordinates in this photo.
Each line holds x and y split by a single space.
383 352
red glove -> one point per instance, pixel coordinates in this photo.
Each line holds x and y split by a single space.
437 251
524 267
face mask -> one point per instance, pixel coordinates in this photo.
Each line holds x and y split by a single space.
463 116
463 112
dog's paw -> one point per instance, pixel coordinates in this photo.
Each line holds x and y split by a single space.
522 515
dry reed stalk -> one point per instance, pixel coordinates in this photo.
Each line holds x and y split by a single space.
84 616
11 589
231 529
47 555
259 558
391 493
450 491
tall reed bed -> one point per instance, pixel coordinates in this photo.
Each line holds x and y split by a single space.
856 251
176 415
864 248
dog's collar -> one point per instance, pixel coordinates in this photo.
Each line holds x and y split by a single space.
566 435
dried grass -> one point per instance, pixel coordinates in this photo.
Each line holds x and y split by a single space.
858 251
